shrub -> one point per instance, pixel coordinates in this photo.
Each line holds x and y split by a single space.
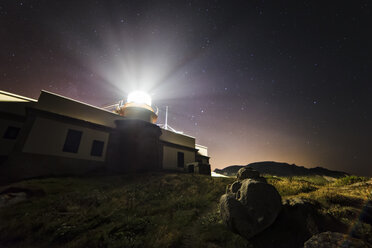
289 186
350 180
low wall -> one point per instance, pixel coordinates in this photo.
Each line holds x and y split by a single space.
21 165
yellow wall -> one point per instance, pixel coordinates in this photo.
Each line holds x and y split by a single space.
170 157
48 137
69 107
6 145
10 97
203 150
179 139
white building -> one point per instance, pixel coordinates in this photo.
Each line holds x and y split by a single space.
56 135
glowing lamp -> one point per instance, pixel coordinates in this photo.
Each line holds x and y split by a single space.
138 106
139 97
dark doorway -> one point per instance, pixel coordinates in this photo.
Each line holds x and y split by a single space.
180 159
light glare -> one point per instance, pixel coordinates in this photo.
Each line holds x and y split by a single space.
139 97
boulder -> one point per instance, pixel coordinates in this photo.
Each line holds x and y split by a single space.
234 215
261 179
297 222
366 215
256 194
254 208
12 198
233 188
247 173
334 240
228 190
13 195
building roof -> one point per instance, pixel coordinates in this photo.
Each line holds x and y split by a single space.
177 138
10 97
202 150
14 105
61 105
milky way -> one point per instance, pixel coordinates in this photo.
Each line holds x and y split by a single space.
252 80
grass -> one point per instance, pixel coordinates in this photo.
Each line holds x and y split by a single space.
153 210
112 211
290 186
348 180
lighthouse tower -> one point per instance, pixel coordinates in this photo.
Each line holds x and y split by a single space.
134 144
137 106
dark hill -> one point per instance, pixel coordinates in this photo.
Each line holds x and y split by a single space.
282 169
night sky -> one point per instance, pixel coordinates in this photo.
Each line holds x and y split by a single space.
286 81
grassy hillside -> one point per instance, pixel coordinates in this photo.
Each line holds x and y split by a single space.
153 210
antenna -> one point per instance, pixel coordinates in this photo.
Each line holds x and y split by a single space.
166 118
110 107
166 126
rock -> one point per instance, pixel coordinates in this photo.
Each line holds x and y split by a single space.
334 240
254 208
304 213
297 222
228 189
12 198
247 173
15 195
261 179
28 192
234 215
366 215
263 198
233 188
361 230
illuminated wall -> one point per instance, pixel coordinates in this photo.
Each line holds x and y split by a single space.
64 106
176 138
202 150
170 157
48 137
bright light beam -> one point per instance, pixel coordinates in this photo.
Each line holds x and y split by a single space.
139 97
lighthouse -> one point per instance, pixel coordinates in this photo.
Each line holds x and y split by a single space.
138 107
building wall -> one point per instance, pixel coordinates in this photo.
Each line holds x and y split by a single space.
203 150
48 137
68 107
134 147
129 145
7 145
28 165
15 108
176 138
201 158
170 157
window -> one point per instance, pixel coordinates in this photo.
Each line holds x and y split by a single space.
180 159
97 148
11 132
72 141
